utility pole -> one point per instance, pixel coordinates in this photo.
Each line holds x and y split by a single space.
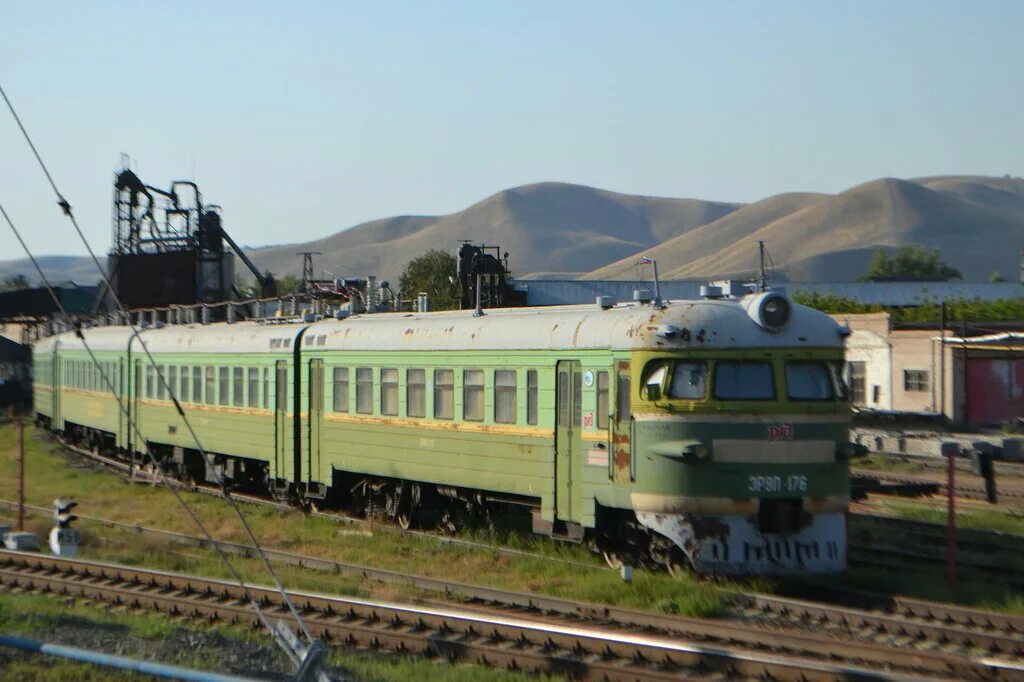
307 269
21 476
764 269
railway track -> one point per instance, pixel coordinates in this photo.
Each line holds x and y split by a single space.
146 476
1010 495
600 646
921 545
957 641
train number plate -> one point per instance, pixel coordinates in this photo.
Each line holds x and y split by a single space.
793 483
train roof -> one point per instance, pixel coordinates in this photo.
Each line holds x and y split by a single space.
240 337
720 323
704 323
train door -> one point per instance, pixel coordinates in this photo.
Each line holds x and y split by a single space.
281 429
122 418
621 464
135 434
316 418
568 440
56 386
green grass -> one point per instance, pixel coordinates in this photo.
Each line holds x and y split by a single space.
972 590
889 463
998 520
559 569
35 615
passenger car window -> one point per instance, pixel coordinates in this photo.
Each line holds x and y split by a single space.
505 396
473 395
416 393
341 389
254 387
389 391
744 380
237 386
689 380
809 381
364 390
531 397
444 394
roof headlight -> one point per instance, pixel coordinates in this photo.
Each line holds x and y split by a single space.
775 311
769 309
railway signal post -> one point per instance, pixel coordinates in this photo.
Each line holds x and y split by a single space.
63 538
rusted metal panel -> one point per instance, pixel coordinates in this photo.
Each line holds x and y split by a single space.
995 390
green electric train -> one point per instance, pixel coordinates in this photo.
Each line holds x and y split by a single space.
709 433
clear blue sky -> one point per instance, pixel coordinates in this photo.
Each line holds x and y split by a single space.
302 118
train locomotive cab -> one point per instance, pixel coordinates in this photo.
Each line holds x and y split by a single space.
740 434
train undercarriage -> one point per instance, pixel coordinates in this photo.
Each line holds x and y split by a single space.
621 536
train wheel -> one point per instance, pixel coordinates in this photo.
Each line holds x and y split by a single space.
613 559
679 565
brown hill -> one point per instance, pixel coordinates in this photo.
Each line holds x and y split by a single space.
833 239
554 227
708 239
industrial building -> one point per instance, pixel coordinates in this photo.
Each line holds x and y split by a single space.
969 374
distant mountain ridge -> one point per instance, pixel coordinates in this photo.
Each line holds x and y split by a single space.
568 231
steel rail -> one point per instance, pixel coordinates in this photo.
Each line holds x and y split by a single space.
500 640
865 548
992 633
971 630
1011 493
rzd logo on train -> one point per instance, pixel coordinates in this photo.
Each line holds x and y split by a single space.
780 432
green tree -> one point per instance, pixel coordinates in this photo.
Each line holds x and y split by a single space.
15 282
286 284
996 276
909 263
436 273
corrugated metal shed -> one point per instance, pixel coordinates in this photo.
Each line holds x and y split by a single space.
898 294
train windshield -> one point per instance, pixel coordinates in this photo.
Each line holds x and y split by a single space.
808 381
744 380
814 381
688 381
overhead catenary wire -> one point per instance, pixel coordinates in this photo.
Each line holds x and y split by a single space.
66 209
132 425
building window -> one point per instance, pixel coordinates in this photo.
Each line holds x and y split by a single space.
444 394
857 372
364 390
915 380
254 387
473 395
341 389
602 400
416 393
505 396
389 391
531 397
